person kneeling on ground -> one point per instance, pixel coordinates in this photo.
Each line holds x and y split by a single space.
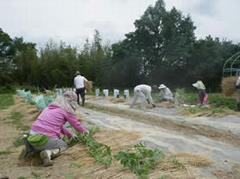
144 93
165 93
46 130
202 95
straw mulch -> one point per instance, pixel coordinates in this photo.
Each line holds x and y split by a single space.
228 85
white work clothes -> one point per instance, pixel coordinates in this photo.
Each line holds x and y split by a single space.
79 81
166 94
238 81
144 93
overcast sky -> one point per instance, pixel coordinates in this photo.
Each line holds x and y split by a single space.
73 21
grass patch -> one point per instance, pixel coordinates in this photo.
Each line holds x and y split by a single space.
68 176
37 175
219 104
74 165
177 163
218 100
21 177
18 142
16 119
5 152
6 100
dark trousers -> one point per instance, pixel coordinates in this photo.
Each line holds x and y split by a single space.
81 91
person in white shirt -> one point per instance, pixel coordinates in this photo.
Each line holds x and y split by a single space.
80 87
165 93
144 93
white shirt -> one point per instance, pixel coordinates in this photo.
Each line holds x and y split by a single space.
167 94
238 81
79 81
143 88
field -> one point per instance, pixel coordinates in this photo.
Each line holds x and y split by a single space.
196 144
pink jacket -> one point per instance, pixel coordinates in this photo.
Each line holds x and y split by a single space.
51 122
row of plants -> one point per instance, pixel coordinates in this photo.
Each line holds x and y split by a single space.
140 159
100 152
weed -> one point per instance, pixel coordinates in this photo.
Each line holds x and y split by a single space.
68 176
218 100
74 165
15 118
5 152
21 177
164 177
36 175
6 100
177 163
18 142
140 159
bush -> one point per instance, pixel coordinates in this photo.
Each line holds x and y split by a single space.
218 100
7 89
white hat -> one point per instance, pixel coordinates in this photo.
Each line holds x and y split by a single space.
161 86
199 85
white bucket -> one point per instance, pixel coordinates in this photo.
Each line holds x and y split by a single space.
116 93
105 92
97 92
126 94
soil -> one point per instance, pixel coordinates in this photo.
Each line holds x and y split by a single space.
201 156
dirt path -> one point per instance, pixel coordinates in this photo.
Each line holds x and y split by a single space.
225 129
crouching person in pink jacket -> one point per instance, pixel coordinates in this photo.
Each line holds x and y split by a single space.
49 126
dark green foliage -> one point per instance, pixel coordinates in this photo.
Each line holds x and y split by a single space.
7 89
140 160
218 100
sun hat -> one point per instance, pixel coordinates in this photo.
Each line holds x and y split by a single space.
199 85
68 101
161 86
77 73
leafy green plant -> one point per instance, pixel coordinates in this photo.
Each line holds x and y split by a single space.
140 160
218 100
100 152
6 100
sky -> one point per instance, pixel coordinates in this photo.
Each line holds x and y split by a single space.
72 21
